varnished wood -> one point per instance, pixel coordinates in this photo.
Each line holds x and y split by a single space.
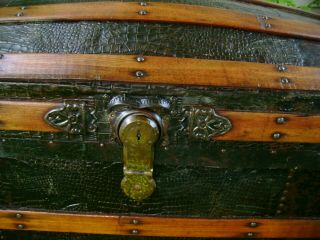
246 126
159 226
25 116
157 70
251 126
158 12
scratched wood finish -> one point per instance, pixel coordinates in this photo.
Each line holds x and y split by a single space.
159 12
157 70
247 126
159 226
25 116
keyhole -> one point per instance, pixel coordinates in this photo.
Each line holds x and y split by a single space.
138 135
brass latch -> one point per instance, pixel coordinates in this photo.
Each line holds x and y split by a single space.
138 132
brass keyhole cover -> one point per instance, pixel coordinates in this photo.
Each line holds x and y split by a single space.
138 133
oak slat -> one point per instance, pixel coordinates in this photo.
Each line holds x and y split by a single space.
159 226
158 70
25 116
159 12
246 126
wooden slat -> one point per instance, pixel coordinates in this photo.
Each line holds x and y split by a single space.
158 70
159 226
159 12
25 116
247 126
250 126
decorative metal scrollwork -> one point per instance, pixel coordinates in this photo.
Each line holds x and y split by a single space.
201 122
73 117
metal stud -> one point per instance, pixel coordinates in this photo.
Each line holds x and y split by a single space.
284 80
250 234
20 226
50 142
135 222
142 12
253 224
267 25
143 4
19 14
140 59
281 68
18 215
276 135
280 120
139 74
135 231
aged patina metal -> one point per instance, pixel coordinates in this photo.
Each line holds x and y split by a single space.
138 132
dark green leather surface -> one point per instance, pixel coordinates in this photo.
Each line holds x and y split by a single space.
156 39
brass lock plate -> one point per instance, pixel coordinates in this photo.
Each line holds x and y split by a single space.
138 132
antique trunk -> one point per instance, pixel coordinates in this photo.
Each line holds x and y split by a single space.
181 118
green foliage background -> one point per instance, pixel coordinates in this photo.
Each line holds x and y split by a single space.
292 3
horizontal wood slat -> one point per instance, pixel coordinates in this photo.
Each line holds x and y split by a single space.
25 116
157 70
159 226
160 12
246 126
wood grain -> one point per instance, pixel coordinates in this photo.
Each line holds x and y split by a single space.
159 12
157 70
25 116
159 226
253 126
246 126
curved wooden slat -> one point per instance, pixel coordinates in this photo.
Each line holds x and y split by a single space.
159 226
160 12
157 70
246 126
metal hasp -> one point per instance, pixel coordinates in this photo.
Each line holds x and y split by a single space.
138 132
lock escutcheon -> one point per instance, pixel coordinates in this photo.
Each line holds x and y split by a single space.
138 132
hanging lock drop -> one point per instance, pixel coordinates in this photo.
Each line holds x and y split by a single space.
138 132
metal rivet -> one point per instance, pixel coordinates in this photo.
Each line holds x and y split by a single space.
3 140
284 80
20 226
101 144
139 74
18 215
140 59
281 68
142 12
135 221
143 4
280 120
223 150
50 142
250 234
267 25
276 135
253 224
134 231
19 14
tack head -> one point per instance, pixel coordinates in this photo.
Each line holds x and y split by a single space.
276 135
